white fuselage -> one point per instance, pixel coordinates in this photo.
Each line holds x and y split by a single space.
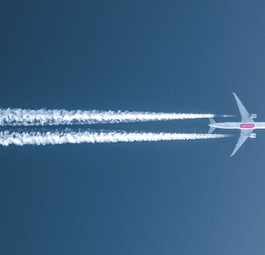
239 125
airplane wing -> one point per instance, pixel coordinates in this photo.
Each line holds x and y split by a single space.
244 135
245 116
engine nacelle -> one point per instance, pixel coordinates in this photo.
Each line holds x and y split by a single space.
253 115
252 135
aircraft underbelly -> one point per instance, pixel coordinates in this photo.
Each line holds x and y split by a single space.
239 125
228 125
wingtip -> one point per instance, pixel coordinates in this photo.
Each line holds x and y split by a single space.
232 154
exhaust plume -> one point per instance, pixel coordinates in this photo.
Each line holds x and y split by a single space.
39 138
42 117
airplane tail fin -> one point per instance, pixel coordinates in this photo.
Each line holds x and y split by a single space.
211 129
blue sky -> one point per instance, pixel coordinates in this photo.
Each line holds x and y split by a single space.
139 198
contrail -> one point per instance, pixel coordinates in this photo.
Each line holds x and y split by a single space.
43 117
39 138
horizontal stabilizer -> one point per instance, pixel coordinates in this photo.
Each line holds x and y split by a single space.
211 129
212 121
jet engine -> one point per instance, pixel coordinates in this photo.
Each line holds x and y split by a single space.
252 135
253 115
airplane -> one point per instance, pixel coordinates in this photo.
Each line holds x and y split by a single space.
246 126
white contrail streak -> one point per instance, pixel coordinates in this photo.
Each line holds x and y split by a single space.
39 138
42 117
